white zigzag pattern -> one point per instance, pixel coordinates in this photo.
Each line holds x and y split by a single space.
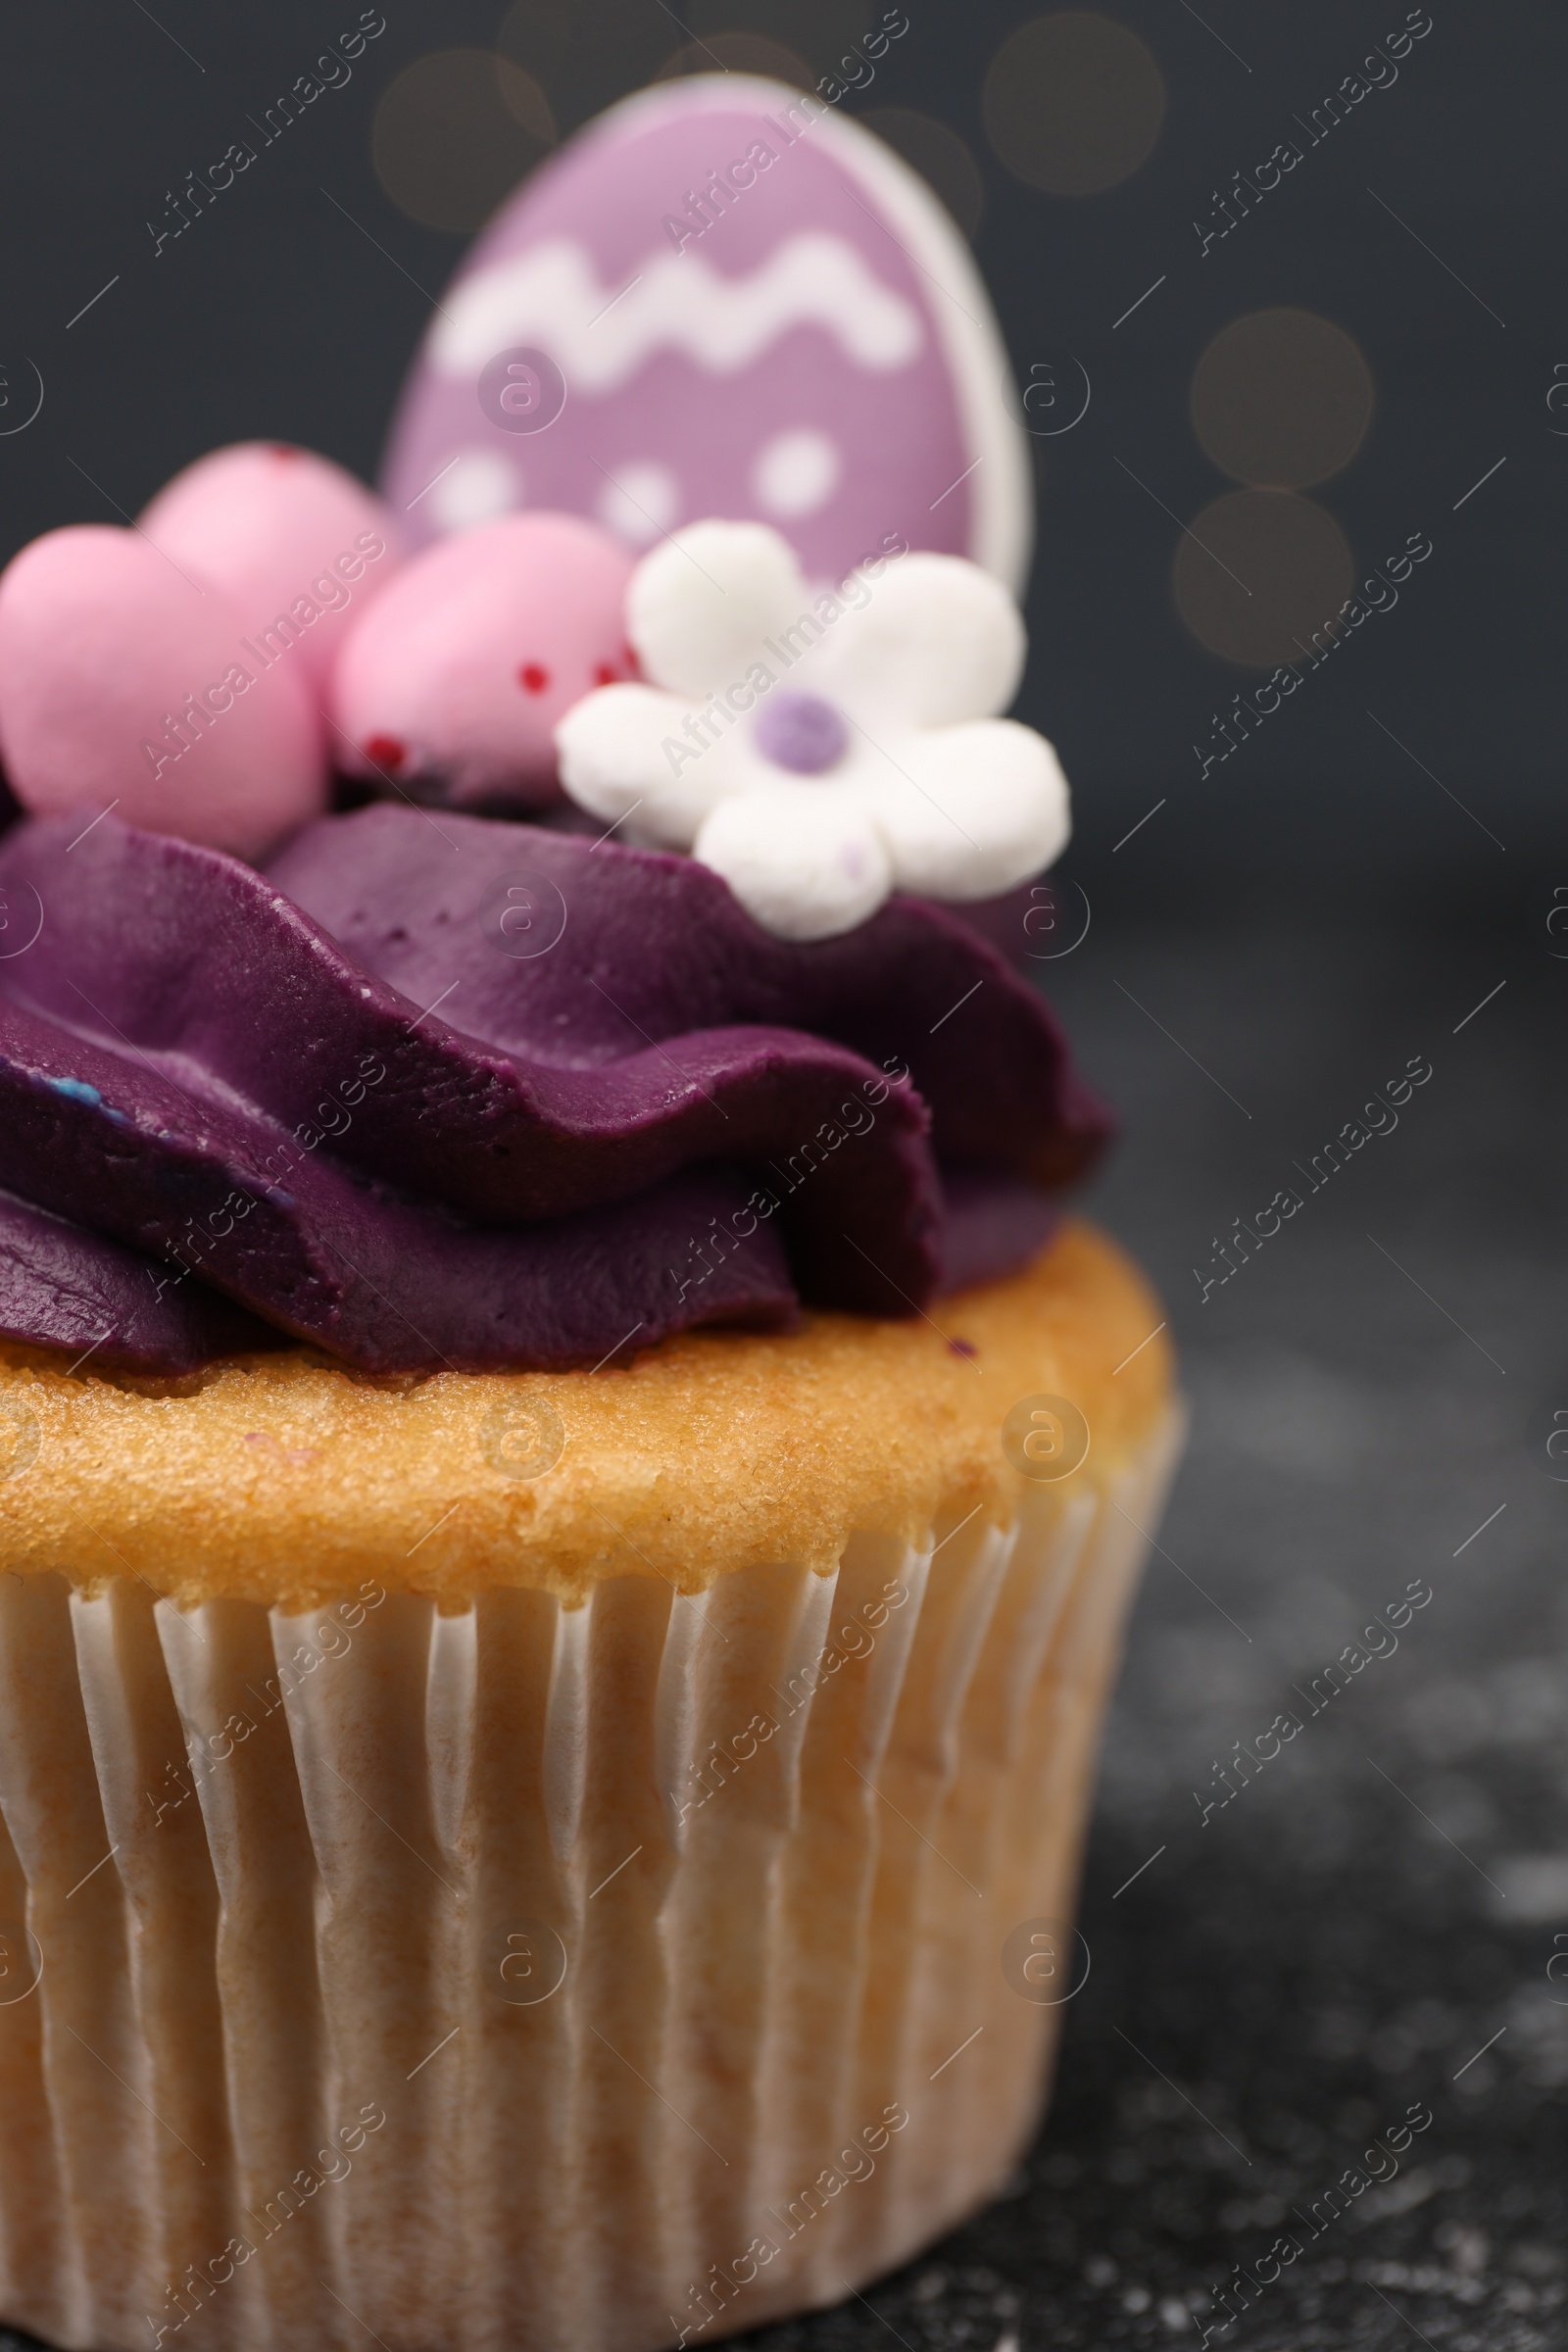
553 296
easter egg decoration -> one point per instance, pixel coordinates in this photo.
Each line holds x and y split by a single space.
722 298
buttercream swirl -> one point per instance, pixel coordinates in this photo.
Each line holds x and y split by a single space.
481 1095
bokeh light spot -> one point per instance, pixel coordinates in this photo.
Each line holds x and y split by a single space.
1258 572
1073 103
540 33
938 154
454 133
586 57
1282 399
738 53
822 30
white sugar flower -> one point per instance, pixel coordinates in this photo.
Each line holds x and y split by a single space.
820 749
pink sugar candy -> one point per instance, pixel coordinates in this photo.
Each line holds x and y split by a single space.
459 673
299 544
121 682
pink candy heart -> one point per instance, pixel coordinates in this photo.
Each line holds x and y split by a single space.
299 544
125 683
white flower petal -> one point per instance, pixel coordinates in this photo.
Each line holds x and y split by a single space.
936 641
929 794
699 606
805 864
624 747
974 810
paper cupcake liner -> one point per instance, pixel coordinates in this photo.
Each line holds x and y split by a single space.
535 1977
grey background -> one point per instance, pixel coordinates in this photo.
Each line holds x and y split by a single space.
1277 942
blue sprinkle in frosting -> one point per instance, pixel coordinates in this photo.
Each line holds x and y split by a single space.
76 1089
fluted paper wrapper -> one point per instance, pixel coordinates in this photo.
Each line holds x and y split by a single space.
536 1976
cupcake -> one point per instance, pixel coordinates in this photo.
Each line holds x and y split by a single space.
570 1485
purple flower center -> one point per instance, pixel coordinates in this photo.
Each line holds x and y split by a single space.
801 732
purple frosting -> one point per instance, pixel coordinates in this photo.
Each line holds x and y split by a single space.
354 1101
82 1292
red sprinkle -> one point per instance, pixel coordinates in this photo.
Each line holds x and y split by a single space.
283 449
534 676
605 674
385 751
963 1348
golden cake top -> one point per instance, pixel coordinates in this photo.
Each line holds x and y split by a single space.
289 1480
